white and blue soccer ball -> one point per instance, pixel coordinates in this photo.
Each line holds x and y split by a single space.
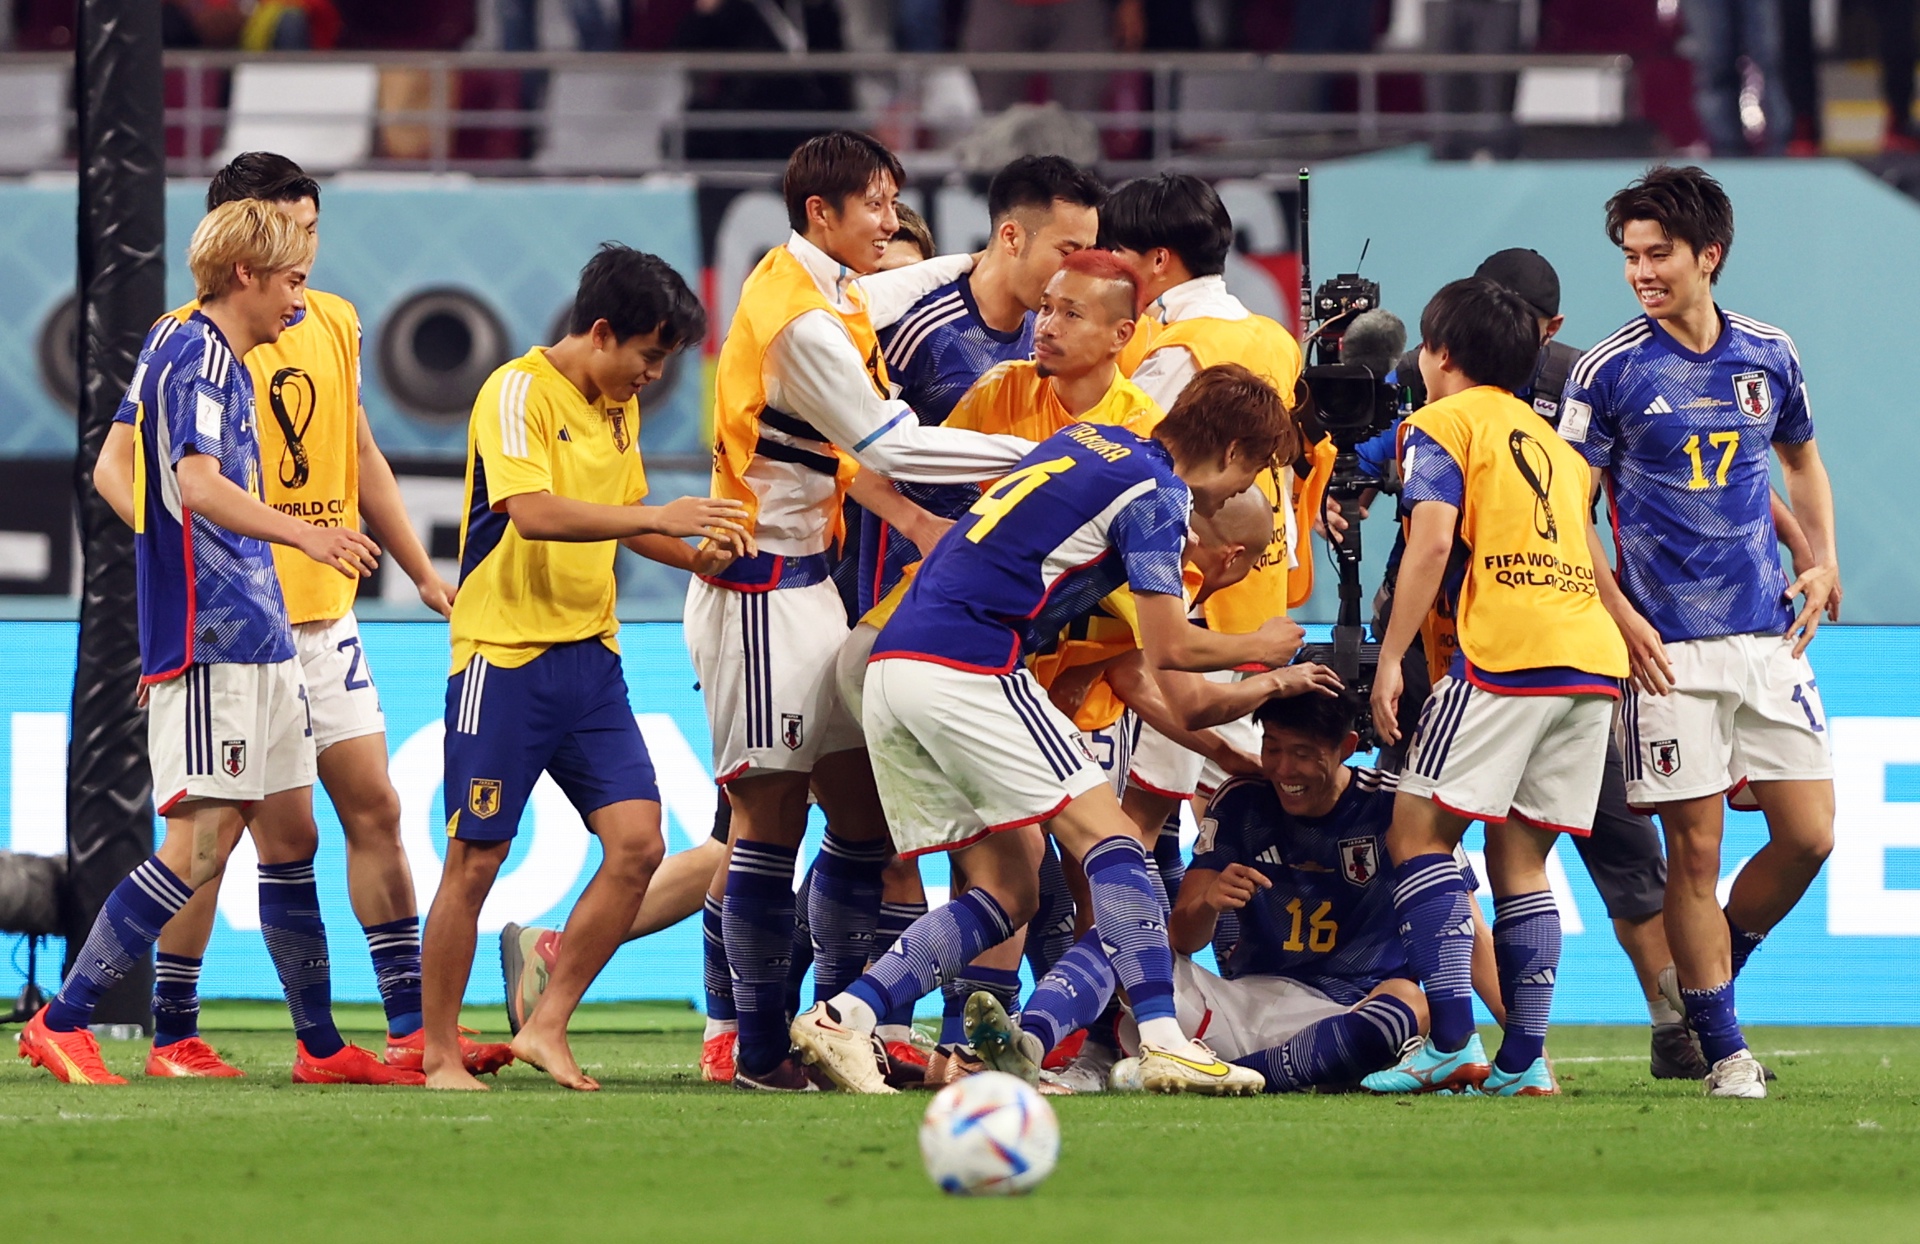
989 1135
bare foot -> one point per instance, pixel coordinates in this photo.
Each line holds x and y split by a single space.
551 1054
456 1078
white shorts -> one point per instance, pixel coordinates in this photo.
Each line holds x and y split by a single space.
237 732
1743 708
1165 768
766 663
1538 758
1237 1017
1112 749
958 755
851 673
1243 734
340 691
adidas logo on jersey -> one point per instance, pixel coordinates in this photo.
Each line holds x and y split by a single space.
1270 856
1659 406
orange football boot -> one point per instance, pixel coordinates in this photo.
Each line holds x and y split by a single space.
191 1058
72 1057
716 1057
350 1065
482 1058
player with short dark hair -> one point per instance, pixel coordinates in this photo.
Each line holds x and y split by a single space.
1316 991
323 466
229 727
554 483
1515 735
1175 212
969 755
1677 412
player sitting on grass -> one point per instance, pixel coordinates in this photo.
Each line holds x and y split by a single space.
228 729
1516 734
554 482
1317 991
969 755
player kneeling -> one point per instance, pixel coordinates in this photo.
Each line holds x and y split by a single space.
969 755
1317 992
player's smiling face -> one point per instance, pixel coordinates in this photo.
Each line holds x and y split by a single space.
857 231
271 301
1667 276
1304 769
620 369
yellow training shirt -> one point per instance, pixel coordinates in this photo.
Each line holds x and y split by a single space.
1528 599
533 431
307 389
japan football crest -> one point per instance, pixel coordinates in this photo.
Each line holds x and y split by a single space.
793 730
1359 859
1752 393
1664 756
621 437
233 757
483 797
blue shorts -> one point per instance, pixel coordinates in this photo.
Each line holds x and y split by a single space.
566 713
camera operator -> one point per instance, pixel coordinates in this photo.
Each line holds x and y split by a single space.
1623 855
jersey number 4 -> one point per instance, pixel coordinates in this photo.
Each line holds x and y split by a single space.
996 502
1728 443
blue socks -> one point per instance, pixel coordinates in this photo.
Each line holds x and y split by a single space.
1435 908
1744 944
800 958
1050 932
297 941
937 948
1526 945
1710 1013
1166 857
1072 995
713 964
1338 1050
1001 983
895 920
128 925
176 998
395 947
1128 913
756 920
843 910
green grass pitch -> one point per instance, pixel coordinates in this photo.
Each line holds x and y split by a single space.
1834 1155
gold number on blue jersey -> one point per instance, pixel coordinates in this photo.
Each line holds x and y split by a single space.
1728 443
1321 932
1010 491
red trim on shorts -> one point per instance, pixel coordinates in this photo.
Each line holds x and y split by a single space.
990 830
168 806
1206 1021
1524 819
1734 790
1444 806
731 774
1606 689
1151 789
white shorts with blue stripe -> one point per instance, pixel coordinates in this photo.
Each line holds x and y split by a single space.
238 732
958 755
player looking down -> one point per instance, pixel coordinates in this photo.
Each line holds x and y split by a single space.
229 725
554 481
1516 734
1317 991
1677 412
968 754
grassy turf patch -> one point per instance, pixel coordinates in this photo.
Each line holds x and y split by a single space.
659 1156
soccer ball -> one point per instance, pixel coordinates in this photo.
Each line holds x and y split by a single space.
989 1135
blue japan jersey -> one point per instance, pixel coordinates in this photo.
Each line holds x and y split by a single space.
206 595
1328 921
934 353
1091 508
1683 440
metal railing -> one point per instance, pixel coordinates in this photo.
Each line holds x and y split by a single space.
1172 127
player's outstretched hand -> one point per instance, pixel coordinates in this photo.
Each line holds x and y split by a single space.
437 594
1234 886
1646 655
1279 639
716 518
1387 683
1821 586
713 556
1305 679
346 550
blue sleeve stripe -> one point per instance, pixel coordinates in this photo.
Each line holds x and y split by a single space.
882 430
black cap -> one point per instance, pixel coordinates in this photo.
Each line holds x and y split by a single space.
1528 274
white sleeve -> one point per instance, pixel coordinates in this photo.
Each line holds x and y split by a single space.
891 295
814 371
1165 373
